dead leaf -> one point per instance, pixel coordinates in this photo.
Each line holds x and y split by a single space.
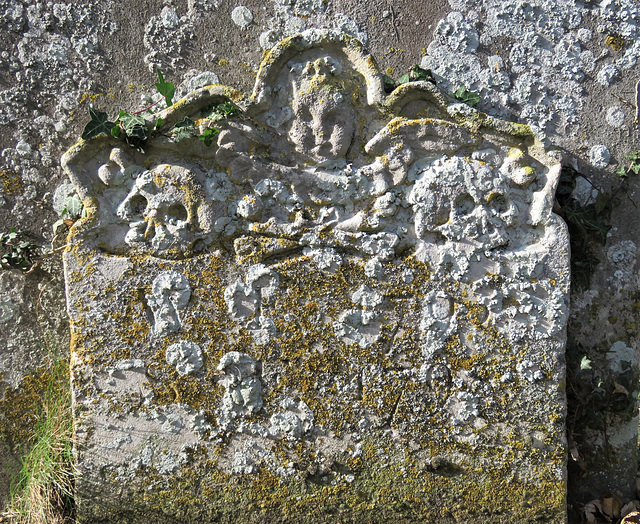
620 389
591 509
611 504
575 455
630 507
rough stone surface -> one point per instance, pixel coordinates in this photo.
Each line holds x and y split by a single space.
536 63
351 296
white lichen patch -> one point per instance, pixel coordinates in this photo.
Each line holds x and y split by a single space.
366 298
623 257
438 320
552 52
615 116
241 16
357 326
463 407
243 386
170 293
185 356
599 156
621 357
293 421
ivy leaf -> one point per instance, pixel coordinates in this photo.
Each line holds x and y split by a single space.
388 83
224 110
417 74
128 120
468 97
635 161
72 206
158 124
183 129
134 127
635 156
404 79
166 89
185 122
99 124
208 136
138 131
585 363
621 172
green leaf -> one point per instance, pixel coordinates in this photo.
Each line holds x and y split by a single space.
129 121
73 206
181 134
418 74
635 156
585 363
138 131
223 110
183 129
158 124
621 172
166 89
228 109
115 131
468 97
98 124
186 122
389 83
208 136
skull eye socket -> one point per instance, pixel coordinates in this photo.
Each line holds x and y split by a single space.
464 204
443 211
498 202
177 212
138 204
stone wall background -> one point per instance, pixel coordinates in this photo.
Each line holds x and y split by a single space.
567 68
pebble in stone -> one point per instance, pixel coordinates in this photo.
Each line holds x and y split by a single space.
241 16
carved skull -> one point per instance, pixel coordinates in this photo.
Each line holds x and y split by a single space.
462 200
157 212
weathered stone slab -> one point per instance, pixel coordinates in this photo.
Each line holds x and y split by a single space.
352 306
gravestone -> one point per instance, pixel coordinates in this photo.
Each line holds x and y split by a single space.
340 304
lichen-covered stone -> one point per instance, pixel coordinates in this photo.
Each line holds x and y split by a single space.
352 304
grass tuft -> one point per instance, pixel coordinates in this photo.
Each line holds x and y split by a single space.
43 491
